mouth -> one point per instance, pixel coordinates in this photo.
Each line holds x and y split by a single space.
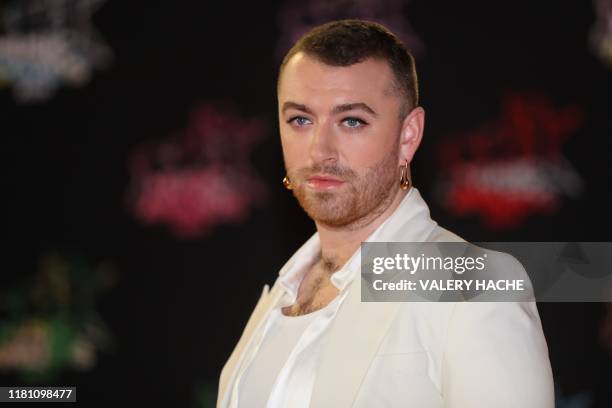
323 182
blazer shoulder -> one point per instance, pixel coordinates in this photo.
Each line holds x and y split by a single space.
440 234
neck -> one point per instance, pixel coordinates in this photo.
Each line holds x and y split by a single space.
338 244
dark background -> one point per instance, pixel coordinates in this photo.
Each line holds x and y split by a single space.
179 305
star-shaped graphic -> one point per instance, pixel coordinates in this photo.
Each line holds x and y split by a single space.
48 43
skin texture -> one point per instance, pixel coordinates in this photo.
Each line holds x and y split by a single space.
342 123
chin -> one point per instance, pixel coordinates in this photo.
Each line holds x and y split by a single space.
336 214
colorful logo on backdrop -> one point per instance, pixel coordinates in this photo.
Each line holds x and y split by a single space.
48 43
200 177
50 323
297 17
512 166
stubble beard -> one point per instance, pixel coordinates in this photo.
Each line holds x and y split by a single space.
359 201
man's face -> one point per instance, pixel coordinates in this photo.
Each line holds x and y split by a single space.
340 133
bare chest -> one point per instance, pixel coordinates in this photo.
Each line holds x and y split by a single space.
315 292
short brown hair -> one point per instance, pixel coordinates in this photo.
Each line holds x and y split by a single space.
347 42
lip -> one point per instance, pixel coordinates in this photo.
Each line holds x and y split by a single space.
323 182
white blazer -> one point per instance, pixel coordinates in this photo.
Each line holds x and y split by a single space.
420 354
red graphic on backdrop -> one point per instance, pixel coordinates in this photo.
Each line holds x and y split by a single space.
200 177
513 166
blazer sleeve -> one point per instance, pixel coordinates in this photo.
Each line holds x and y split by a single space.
496 356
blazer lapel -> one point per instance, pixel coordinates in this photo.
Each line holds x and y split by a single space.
355 337
359 327
267 300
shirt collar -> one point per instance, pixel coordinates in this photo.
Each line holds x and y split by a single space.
409 222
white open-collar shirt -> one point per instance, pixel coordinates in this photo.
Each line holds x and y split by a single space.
295 380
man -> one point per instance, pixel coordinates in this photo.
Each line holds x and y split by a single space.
350 125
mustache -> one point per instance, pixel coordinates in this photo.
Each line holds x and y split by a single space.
345 173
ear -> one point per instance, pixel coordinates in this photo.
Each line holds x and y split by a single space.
411 134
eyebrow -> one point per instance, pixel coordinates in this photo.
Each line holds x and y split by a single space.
337 109
352 106
297 106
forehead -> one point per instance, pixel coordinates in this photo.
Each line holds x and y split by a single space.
304 77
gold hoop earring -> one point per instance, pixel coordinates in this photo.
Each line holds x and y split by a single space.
287 183
404 179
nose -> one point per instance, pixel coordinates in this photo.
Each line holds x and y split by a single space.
323 145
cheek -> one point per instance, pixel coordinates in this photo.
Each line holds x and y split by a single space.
368 153
293 150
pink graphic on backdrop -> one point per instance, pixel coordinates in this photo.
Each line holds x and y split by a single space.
199 177
297 17
512 166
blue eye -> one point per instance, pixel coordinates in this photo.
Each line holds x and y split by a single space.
354 122
299 121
